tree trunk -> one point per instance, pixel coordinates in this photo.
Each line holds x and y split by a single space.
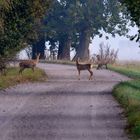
34 51
82 51
60 50
39 47
64 49
52 51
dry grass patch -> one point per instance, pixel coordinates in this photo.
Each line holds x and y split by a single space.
12 78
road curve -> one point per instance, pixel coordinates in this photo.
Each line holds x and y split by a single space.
63 108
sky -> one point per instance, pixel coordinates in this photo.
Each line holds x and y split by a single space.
128 50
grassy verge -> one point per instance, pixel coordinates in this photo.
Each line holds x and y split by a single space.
12 78
128 95
130 71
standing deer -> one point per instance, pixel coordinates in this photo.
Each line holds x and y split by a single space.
3 68
102 62
3 65
28 64
84 67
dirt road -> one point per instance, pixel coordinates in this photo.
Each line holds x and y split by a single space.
63 108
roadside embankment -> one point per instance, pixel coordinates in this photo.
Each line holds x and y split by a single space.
128 95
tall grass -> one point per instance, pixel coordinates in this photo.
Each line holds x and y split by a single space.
12 78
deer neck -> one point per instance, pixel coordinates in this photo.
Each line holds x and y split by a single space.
37 59
77 62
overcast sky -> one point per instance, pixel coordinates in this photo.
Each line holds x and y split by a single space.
128 50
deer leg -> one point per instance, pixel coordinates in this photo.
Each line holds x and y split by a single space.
99 66
91 74
4 72
106 66
33 69
21 69
78 74
1 71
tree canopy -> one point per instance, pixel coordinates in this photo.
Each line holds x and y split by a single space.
81 20
133 7
18 22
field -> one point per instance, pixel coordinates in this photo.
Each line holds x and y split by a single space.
130 69
12 78
128 95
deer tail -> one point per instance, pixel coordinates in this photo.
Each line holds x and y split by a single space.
91 66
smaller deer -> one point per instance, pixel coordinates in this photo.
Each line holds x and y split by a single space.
3 69
3 66
101 62
28 64
84 67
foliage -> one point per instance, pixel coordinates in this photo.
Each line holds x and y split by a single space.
69 15
101 15
58 23
72 18
133 7
18 21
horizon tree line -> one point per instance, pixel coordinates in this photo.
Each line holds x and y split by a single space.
65 24
72 24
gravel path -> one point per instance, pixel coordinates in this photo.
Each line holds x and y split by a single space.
63 108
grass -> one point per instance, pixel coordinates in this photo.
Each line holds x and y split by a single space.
12 78
131 71
128 95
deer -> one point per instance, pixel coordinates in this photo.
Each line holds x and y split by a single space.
101 62
3 69
28 64
3 66
86 66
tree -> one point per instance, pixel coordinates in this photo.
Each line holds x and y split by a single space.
38 47
96 16
73 23
18 20
59 25
133 7
28 51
